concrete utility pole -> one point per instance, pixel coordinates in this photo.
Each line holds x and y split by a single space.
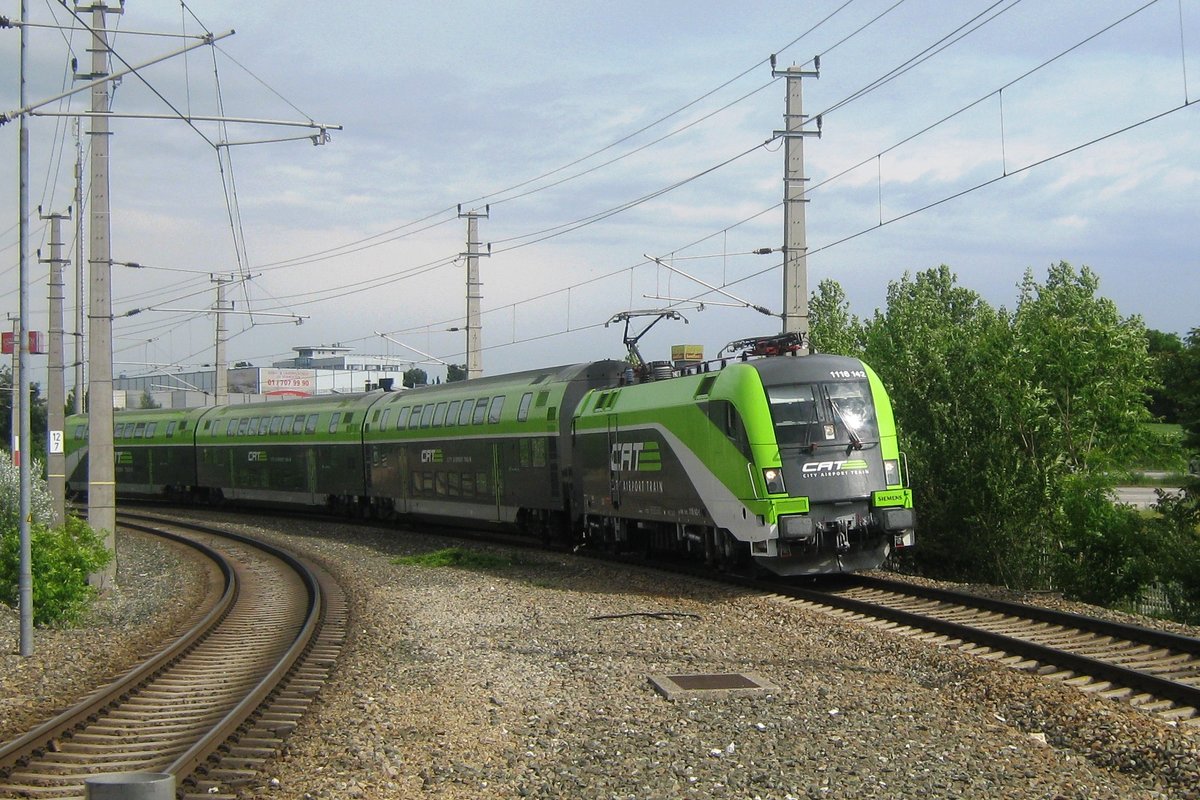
221 394
56 399
102 509
795 242
474 292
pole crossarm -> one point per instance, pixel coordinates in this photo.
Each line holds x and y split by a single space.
739 301
434 358
320 126
29 109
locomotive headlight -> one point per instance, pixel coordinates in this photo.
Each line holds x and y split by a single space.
891 472
773 478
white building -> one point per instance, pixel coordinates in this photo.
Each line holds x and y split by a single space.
314 371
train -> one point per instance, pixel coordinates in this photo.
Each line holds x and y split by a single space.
765 458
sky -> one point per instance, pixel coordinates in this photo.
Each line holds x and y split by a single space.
993 137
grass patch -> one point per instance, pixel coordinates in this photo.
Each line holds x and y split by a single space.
1167 480
457 557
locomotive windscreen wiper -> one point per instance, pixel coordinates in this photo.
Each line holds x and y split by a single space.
855 442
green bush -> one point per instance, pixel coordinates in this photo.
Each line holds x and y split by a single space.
1104 550
1177 536
62 558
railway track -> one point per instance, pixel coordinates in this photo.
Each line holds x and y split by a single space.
213 705
1156 671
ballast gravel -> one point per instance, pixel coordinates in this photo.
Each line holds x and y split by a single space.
530 679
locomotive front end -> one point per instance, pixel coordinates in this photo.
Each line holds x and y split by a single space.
835 485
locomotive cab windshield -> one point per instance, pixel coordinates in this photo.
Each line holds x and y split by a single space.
816 415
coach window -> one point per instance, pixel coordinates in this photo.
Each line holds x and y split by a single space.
298 425
468 484
495 409
333 422
454 484
439 414
264 427
150 428
452 412
481 483
539 452
276 423
119 430
480 411
171 429
139 430
523 408
310 424
464 416
524 456
286 428
414 421
231 428
427 415
243 425
253 430
402 417
385 419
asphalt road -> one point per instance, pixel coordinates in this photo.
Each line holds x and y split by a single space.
1139 496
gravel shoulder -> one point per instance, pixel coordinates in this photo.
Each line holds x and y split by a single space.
507 682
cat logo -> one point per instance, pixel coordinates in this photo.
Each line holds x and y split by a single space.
257 455
635 457
854 466
433 456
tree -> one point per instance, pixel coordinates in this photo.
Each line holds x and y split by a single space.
1165 350
1012 422
831 327
415 377
456 372
941 350
147 400
1092 364
37 413
1187 393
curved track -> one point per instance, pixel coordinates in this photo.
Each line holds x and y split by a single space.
1154 670
236 682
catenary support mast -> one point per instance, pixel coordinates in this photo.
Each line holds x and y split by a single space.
102 510
56 479
795 243
474 292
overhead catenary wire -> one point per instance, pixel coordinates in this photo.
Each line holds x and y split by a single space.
955 195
